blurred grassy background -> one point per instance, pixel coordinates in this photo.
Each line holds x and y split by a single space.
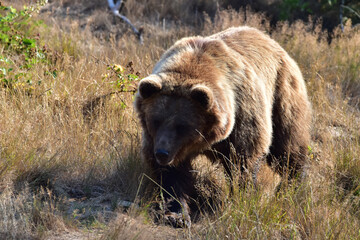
70 140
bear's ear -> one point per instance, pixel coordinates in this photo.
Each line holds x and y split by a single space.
215 47
203 95
149 86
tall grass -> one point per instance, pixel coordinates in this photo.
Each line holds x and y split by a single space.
48 141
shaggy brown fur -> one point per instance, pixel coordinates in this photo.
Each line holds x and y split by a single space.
237 89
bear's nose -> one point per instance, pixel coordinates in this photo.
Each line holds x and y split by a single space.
162 156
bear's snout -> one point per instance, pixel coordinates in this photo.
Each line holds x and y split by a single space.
162 156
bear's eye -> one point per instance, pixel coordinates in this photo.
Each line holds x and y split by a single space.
156 123
182 129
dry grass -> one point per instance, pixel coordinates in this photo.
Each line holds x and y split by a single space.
65 169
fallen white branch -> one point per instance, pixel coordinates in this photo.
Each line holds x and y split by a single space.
114 7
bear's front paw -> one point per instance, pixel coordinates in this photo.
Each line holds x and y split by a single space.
175 213
178 220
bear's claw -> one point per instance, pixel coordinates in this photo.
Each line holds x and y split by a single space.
178 220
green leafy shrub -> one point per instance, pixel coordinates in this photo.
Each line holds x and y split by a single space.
21 49
122 79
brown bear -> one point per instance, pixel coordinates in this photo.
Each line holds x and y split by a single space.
234 91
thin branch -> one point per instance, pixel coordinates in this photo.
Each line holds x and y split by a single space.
115 10
341 15
351 10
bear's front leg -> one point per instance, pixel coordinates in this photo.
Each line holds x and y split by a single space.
177 187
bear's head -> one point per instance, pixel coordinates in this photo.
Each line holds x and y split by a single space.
178 120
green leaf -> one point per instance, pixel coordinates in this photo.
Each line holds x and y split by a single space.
29 42
4 71
132 77
12 10
5 60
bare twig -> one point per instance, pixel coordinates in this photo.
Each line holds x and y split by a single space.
114 7
341 15
351 10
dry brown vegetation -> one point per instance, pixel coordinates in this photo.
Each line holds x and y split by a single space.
69 151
